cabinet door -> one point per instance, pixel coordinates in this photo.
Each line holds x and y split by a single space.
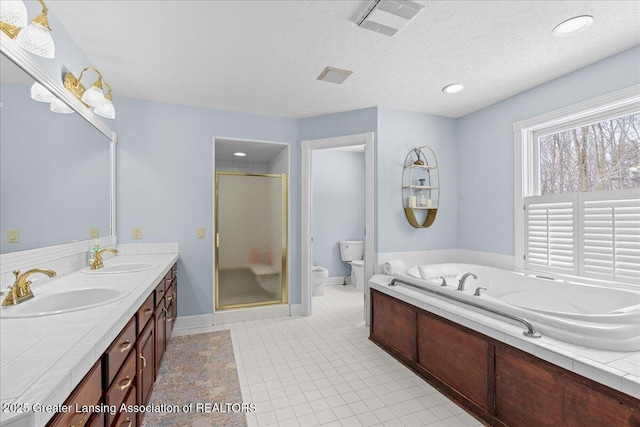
146 364
88 392
527 393
456 356
161 336
394 322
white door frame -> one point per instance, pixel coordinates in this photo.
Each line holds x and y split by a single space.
307 200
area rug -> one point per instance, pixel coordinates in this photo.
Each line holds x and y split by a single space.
197 384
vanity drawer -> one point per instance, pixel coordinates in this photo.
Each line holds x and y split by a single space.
145 312
88 392
119 350
122 384
160 290
127 419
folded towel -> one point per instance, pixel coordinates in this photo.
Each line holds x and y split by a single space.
393 266
430 271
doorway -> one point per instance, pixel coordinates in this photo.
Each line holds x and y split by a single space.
307 208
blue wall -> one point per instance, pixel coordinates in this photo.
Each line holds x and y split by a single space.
165 184
398 133
338 205
485 147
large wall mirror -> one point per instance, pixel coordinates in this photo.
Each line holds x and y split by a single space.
56 169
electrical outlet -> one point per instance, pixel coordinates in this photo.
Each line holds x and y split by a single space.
201 233
94 233
13 236
137 233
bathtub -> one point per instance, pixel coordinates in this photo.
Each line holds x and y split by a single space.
581 314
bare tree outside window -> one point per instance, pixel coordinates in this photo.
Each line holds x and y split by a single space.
599 156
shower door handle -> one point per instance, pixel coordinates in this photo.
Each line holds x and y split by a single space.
217 240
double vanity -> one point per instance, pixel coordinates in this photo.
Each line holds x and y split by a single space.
88 342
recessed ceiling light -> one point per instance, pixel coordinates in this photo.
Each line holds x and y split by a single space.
239 154
453 88
572 26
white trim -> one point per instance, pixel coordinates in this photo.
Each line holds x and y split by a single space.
295 309
617 102
306 208
195 321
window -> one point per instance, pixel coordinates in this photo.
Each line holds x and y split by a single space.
577 199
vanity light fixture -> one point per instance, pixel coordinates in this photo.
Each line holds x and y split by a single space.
572 26
240 154
453 88
36 37
106 109
94 96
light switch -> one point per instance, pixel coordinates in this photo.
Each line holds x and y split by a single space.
137 233
13 236
201 233
94 233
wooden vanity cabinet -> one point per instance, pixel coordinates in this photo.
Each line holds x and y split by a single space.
126 371
88 392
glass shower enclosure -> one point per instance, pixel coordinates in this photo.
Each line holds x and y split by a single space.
251 239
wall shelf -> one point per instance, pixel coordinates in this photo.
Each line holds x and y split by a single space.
420 187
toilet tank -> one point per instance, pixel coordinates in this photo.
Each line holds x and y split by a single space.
351 250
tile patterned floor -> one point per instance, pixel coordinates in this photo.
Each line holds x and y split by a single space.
323 370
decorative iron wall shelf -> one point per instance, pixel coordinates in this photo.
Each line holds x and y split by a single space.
420 187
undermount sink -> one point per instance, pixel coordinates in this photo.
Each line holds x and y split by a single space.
124 267
63 302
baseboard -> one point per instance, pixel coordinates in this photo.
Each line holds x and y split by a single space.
196 321
295 309
250 313
338 280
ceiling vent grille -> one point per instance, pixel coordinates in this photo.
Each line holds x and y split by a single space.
387 16
334 75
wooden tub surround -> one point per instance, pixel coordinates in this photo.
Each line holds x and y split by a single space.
497 383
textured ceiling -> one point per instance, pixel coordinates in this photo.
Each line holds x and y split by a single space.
264 56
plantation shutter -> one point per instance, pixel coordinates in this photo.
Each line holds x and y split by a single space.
550 233
611 235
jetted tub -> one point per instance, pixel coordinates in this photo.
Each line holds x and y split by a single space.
582 314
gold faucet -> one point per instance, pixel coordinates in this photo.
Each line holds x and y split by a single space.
20 291
96 261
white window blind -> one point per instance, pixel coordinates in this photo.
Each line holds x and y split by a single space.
550 232
611 235
591 234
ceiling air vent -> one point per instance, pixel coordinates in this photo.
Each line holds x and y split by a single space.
387 16
334 75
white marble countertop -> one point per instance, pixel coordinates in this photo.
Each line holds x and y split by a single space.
42 359
618 370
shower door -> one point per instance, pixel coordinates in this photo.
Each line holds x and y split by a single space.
251 239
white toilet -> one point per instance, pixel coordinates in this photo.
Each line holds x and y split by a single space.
352 251
319 277
357 274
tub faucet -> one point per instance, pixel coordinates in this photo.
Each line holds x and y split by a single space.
96 261
477 292
462 280
20 291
